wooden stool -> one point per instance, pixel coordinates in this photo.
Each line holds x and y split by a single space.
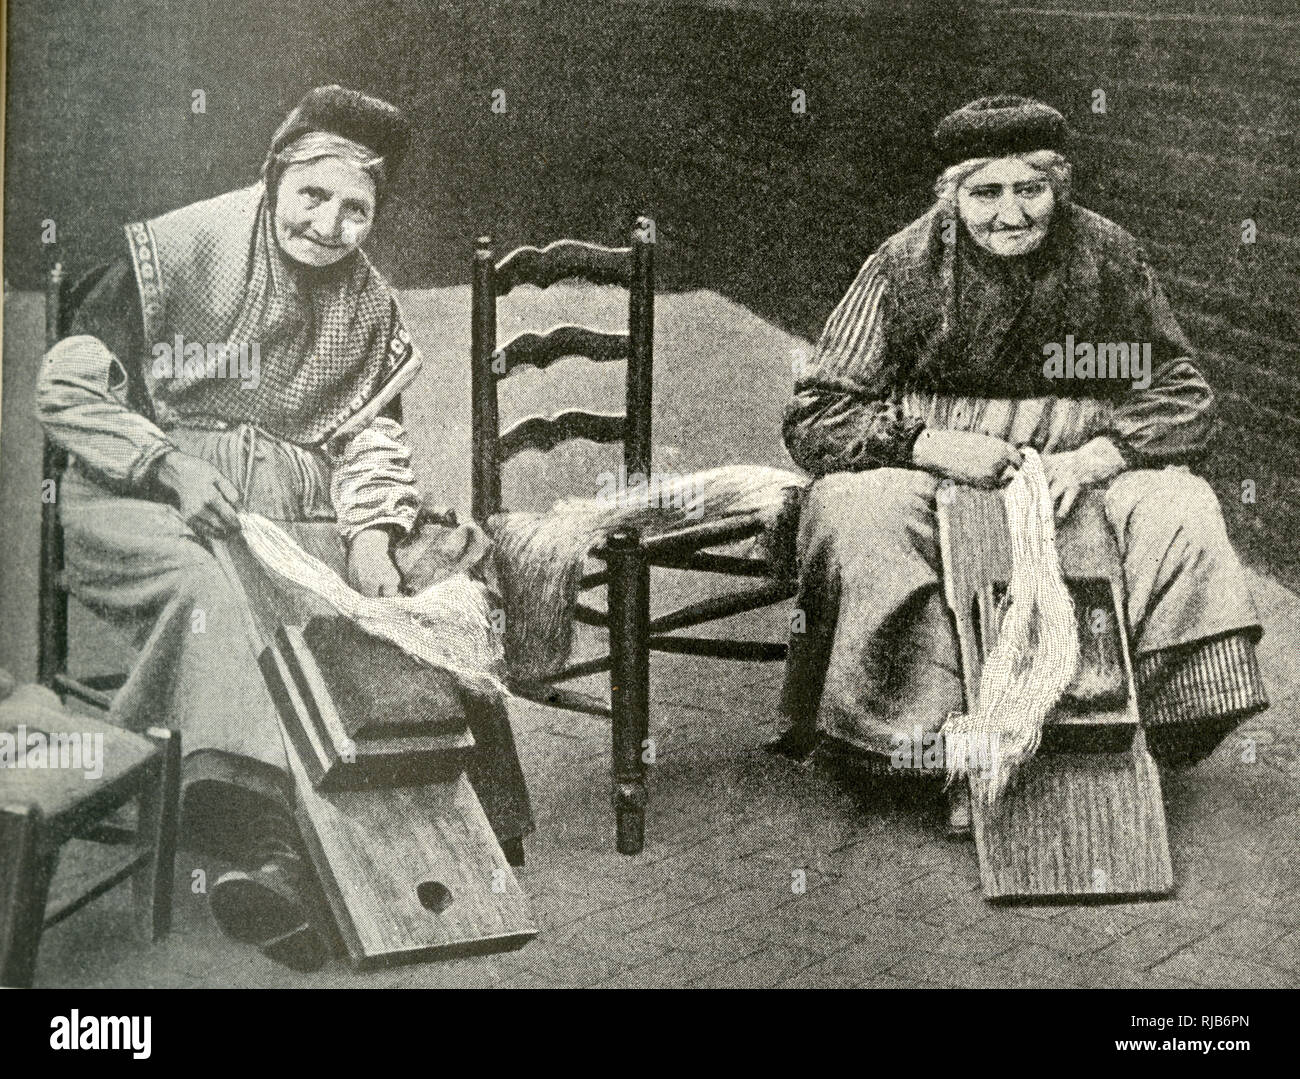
1085 817
45 809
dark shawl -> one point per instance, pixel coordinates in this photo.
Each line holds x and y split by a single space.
954 320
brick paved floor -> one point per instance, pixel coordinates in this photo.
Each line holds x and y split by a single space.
889 901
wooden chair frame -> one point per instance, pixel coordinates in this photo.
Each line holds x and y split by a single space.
633 635
61 303
30 842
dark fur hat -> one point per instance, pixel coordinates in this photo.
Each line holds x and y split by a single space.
372 122
995 126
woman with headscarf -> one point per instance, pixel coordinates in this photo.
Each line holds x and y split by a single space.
246 356
932 369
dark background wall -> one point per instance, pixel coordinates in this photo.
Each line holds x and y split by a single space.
685 109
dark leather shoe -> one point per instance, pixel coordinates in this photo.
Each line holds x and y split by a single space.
269 908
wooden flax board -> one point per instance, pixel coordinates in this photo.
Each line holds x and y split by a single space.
380 850
1077 824
1072 823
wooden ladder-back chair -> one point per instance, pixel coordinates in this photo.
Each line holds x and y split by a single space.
627 555
61 302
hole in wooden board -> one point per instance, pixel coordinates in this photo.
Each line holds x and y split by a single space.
433 895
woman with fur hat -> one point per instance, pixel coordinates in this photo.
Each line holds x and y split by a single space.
171 438
931 369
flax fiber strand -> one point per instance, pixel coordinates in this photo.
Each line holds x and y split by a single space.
1037 650
447 625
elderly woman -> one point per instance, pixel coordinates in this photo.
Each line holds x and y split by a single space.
246 355
937 365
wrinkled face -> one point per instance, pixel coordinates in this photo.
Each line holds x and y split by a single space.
1007 206
323 210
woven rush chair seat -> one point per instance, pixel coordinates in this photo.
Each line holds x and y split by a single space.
65 779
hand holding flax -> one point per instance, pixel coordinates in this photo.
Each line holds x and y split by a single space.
207 501
1069 473
371 570
967 457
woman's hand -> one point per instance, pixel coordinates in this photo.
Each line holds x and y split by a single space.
967 457
207 501
371 570
1069 473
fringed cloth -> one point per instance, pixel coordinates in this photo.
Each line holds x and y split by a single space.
1037 650
540 557
447 625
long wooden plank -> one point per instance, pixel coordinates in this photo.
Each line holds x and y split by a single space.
1085 816
1075 825
411 873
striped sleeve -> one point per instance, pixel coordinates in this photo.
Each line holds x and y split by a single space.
846 415
851 350
372 484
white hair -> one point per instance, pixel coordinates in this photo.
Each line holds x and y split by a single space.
314 145
1050 163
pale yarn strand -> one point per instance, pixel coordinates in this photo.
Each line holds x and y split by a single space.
1037 651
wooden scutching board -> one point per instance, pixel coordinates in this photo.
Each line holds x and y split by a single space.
1073 823
1076 825
383 853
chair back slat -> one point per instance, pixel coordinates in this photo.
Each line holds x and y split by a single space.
561 260
540 350
544 434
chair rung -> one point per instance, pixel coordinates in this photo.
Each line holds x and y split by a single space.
581 670
110 834
708 562
107 871
593 580
590 616
718 648
717 607
83 690
713 534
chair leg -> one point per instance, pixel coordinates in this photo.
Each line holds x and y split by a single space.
629 682
26 868
159 826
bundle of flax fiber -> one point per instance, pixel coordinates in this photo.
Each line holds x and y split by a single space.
540 556
1037 650
447 625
